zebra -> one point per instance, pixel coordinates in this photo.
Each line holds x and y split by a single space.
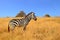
21 22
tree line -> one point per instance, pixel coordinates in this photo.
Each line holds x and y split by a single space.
23 14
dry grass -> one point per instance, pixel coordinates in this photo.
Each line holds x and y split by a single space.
42 29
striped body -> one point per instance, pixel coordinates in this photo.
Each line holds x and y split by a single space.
21 22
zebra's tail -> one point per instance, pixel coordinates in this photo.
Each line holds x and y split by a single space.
8 28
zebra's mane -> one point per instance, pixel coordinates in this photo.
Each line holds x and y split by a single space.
29 14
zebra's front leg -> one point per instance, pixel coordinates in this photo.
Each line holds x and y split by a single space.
24 27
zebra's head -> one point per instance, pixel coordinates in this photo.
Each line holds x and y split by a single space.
33 16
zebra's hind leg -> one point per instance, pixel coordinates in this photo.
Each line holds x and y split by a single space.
11 28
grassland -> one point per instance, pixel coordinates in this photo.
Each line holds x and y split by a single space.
42 29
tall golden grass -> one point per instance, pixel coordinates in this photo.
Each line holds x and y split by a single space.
42 29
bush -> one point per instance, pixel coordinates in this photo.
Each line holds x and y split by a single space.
47 15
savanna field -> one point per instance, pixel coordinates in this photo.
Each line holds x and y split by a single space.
45 28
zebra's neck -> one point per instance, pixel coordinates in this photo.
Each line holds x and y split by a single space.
28 18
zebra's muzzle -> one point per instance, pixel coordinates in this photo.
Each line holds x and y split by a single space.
35 19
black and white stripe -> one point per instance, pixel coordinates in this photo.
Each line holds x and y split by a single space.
21 22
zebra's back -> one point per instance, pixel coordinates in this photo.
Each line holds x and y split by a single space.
16 22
